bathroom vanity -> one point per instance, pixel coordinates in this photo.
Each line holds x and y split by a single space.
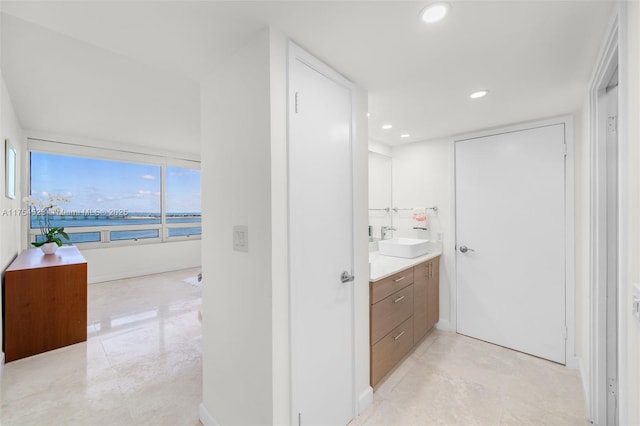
404 305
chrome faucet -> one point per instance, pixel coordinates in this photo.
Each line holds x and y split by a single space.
385 230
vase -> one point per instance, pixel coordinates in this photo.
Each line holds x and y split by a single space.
49 248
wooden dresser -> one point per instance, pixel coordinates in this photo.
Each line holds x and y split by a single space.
44 301
403 307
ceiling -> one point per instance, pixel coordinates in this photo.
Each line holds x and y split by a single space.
128 71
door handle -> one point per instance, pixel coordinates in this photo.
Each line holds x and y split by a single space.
464 249
346 277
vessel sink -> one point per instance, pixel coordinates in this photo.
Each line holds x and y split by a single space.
404 247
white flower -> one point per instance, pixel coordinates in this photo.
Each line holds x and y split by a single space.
48 206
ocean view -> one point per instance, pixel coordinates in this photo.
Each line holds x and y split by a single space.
71 221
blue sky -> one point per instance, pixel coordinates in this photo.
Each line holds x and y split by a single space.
93 184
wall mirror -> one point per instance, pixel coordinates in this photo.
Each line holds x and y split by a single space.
10 156
380 194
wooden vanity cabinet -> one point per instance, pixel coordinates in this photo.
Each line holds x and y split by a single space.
433 293
403 307
420 300
426 297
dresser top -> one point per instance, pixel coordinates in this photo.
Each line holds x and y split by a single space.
35 258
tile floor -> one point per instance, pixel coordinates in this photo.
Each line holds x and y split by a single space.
450 379
142 365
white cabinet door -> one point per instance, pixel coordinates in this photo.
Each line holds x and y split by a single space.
320 245
510 214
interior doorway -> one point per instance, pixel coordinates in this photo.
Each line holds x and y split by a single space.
606 248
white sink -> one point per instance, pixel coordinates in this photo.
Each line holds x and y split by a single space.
404 247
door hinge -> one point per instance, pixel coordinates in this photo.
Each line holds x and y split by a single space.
565 150
612 124
613 386
296 102
299 419
566 333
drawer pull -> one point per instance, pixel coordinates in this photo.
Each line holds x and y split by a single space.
398 299
399 279
398 336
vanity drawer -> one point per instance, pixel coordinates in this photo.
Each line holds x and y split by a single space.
390 312
385 287
387 352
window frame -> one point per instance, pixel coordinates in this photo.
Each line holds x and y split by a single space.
121 155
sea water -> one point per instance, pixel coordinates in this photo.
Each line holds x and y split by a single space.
133 219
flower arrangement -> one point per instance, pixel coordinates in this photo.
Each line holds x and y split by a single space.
43 210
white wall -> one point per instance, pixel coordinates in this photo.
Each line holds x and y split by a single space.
237 290
279 223
630 356
379 148
422 178
10 224
245 296
114 263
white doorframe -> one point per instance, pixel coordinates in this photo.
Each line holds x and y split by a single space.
571 359
612 57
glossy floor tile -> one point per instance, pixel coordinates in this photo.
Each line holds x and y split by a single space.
450 379
141 364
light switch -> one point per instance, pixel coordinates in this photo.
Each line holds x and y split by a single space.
241 238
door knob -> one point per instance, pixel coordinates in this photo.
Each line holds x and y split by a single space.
346 277
464 249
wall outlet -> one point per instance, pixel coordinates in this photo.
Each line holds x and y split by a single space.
241 238
635 301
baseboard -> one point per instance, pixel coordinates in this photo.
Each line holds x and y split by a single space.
205 417
444 325
584 379
573 362
365 399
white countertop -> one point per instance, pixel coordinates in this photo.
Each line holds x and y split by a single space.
381 266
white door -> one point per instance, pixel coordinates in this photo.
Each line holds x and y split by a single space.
510 240
320 244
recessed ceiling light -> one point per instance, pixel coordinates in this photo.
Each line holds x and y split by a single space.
479 94
405 135
434 12
387 126
368 114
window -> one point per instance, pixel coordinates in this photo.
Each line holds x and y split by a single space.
183 202
112 201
